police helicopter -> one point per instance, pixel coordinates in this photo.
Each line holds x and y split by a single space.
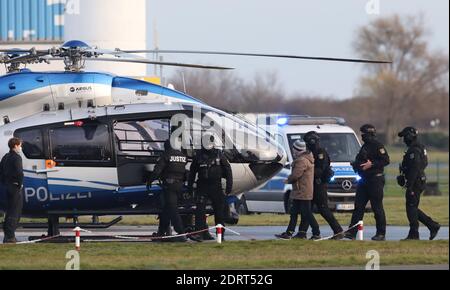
90 138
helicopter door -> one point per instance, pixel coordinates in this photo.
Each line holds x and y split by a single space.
84 162
139 144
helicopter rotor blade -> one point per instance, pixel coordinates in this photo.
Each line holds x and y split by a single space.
31 56
14 51
116 53
146 61
262 55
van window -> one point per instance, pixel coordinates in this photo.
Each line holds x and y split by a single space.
342 147
33 143
142 138
89 142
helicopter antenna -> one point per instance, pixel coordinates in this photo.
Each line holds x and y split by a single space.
184 82
155 44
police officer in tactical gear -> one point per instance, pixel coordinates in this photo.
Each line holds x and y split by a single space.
322 175
412 177
210 166
369 164
12 177
171 170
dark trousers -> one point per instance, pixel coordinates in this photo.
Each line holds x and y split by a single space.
303 207
370 189
14 201
170 214
215 194
321 202
415 214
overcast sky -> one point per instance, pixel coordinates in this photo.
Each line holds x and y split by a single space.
312 28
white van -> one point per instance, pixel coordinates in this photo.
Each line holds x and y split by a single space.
342 145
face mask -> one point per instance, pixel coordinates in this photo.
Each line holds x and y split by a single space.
312 147
408 140
367 138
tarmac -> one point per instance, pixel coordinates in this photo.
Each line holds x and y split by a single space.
260 233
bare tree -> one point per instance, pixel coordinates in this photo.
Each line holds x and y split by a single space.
403 91
227 91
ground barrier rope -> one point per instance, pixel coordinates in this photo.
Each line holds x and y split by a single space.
144 239
335 235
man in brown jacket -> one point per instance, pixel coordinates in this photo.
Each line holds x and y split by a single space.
302 180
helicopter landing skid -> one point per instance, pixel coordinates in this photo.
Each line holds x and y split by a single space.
57 226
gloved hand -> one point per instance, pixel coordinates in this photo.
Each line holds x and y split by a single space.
401 180
149 184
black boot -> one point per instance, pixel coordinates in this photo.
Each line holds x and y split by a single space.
315 237
350 236
300 236
9 241
206 236
379 238
412 236
284 236
338 236
434 231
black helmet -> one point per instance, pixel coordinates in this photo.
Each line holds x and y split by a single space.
311 138
409 132
368 129
409 135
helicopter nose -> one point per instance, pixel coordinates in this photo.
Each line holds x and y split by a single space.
269 163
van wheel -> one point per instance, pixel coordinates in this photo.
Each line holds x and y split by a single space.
287 202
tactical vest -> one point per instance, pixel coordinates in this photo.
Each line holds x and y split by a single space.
423 158
176 166
210 168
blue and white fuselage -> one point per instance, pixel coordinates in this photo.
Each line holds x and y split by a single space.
104 132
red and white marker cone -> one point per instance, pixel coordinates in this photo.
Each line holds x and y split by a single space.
361 231
77 231
219 231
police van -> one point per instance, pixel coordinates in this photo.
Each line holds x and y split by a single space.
342 145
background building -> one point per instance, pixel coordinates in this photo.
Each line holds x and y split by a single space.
107 24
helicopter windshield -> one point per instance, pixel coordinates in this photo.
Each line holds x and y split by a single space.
240 140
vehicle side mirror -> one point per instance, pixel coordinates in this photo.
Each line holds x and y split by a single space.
288 166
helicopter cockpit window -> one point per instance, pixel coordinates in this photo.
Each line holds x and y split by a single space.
89 142
142 138
33 145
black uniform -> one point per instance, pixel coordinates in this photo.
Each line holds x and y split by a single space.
412 169
12 175
211 166
322 174
371 186
171 169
